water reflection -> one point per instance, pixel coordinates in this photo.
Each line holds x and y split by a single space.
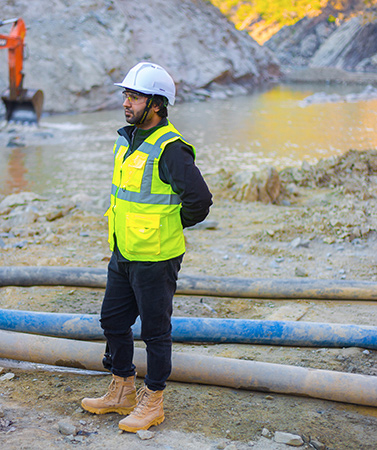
15 180
73 153
271 127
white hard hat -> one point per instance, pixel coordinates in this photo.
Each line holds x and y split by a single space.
149 78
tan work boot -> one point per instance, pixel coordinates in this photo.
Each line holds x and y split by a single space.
149 411
120 398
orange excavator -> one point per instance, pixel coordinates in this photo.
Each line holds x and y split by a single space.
22 105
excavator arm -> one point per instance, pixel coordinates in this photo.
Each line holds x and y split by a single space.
22 105
15 43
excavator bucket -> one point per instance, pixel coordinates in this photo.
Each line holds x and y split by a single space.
25 108
22 105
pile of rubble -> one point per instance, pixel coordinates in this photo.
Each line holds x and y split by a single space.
353 172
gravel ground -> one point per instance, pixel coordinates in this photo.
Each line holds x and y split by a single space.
324 229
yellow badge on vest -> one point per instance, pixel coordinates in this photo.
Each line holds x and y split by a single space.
132 171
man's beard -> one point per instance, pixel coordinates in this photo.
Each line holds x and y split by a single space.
131 118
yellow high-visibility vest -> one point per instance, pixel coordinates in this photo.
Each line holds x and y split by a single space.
144 214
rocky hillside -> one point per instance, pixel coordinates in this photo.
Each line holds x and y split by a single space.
346 43
78 49
340 34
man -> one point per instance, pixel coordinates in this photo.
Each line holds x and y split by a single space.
156 192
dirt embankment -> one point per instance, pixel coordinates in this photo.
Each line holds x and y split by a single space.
322 226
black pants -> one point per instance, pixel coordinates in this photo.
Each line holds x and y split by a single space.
145 289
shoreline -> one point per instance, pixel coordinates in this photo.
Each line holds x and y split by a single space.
327 75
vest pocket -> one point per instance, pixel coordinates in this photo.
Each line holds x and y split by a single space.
132 171
143 234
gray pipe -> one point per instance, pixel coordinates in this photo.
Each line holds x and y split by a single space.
240 374
200 285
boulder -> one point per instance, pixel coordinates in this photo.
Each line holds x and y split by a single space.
288 439
264 186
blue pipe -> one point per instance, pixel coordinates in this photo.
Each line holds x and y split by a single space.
188 329
74 326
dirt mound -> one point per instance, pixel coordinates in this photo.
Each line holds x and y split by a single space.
353 172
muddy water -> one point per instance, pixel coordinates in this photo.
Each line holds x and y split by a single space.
72 153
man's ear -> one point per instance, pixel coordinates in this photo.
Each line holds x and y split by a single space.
155 108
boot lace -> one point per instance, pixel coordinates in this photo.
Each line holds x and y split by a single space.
110 393
142 398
